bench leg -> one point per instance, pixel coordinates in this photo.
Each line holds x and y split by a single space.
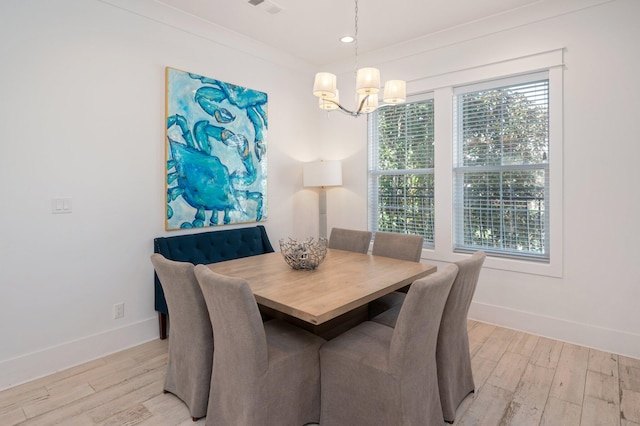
162 322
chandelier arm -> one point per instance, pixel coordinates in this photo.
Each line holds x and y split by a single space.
362 102
356 113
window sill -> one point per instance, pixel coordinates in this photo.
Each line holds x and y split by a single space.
548 269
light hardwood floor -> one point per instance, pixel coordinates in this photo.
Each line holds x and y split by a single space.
521 379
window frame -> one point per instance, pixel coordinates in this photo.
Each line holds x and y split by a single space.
459 169
441 86
373 173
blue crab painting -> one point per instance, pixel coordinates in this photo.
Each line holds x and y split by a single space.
216 152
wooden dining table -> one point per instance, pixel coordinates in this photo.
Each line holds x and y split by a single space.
326 300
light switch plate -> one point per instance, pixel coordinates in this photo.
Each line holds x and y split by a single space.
61 205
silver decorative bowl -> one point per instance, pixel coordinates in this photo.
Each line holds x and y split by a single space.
307 254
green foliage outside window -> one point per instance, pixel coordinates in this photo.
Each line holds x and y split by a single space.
401 174
502 176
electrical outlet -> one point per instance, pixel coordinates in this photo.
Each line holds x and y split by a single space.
118 310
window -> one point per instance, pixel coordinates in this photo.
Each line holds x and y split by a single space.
501 170
401 169
488 147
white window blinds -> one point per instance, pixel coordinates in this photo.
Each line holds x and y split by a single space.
401 184
501 175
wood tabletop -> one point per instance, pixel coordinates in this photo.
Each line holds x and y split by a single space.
343 282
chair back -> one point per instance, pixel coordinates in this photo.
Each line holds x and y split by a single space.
455 375
263 374
241 343
350 240
398 246
459 300
416 332
189 363
189 314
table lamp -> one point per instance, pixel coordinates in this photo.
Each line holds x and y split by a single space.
322 174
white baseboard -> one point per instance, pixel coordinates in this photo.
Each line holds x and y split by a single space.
596 337
60 357
50 360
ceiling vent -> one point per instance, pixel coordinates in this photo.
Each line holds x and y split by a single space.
267 5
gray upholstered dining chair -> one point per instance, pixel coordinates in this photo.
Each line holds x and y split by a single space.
190 335
374 374
350 240
398 246
455 377
263 374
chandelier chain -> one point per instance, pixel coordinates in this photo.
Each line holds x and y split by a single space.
355 69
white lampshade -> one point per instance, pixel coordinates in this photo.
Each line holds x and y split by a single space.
322 173
370 105
368 81
395 91
329 104
324 85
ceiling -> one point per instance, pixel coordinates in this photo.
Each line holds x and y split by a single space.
310 29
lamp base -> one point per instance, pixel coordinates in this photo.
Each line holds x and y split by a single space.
322 210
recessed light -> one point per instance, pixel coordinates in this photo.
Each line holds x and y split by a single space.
347 39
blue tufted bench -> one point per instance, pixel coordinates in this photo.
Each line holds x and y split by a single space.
207 247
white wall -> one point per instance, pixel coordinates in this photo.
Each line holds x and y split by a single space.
82 115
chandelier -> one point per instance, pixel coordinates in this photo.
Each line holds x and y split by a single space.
367 87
